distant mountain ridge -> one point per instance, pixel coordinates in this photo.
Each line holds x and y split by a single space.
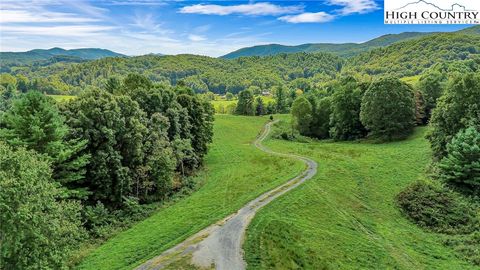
43 57
342 49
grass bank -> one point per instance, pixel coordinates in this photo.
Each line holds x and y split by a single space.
346 217
236 172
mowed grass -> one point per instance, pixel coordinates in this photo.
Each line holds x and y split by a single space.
236 172
346 217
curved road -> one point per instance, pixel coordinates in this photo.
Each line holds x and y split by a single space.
220 244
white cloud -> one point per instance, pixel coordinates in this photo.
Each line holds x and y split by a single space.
60 31
25 16
308 17
135 3
354 6
254 9
196 38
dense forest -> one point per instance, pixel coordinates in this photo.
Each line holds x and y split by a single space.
40 57
201 73
343 49
411 58
303 71
92 163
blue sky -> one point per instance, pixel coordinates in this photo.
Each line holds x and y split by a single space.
209 28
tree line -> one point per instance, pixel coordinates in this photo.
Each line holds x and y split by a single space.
66 168
388 109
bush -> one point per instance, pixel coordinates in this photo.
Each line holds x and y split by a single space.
388 109
285 131
461 166
466 246
438 209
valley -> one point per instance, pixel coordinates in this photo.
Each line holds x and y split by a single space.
316 156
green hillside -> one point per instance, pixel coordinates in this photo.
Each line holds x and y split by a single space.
410 58
474 30
53 55
305 71
343 50
228 182
346 216
201 73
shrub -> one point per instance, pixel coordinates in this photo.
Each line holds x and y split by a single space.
466 246
438 209
285 131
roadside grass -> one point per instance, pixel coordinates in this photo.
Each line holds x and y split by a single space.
346 217
236 172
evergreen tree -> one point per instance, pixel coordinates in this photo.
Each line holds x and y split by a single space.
461 165
34 122
259 106
281 100
245 104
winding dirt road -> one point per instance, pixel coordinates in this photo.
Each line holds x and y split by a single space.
219 246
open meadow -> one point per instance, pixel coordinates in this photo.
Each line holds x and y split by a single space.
346 217
235 173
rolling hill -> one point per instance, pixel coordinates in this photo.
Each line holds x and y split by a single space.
411 58
343 50
53 55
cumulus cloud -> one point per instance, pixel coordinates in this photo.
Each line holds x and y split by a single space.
308 17
354 6
254 9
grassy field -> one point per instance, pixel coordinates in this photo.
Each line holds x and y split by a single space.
413 80
223 102
346 217
62 98
236 173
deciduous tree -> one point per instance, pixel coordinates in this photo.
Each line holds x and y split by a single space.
388 109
